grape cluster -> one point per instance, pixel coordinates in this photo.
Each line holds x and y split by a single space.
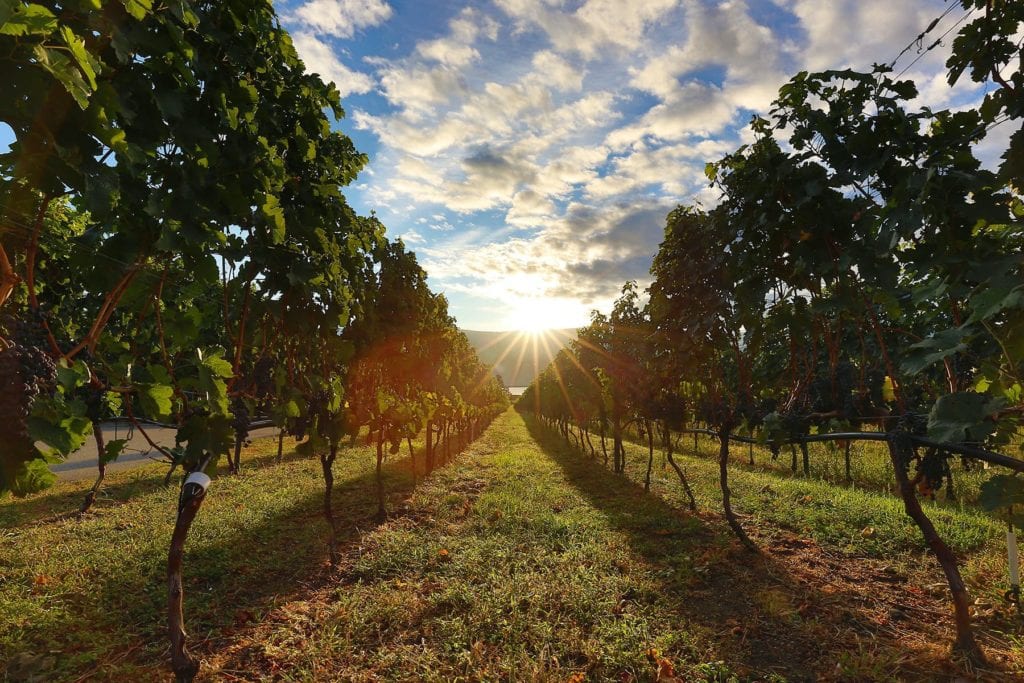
315 408
263 377
240 419
932 473
27 371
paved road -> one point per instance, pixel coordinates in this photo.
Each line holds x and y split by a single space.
82 463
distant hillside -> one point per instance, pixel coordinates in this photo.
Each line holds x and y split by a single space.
518 357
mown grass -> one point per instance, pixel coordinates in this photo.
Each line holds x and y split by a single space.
87 593
859 520
522 560
501 570
870 466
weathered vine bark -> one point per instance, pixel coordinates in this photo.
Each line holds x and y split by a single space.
846 460
617 449
327 465
792 450
723 481
101 466
184 665
650 455
430 446
235 465
590 444
901 453
412 459
679 470
280 445
750 453
381 509
170 473
807 459
447 442
604 447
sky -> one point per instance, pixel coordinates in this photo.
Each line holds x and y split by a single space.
528 151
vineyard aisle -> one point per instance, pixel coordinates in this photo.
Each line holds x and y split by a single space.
529 561
522 560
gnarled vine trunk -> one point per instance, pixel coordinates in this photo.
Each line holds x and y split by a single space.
679 470
327 465
101 466
430 446
412 459
381 509
184 665
650 455
901 453
723 481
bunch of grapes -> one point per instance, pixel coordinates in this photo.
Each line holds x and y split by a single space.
240 419
263 377
27 371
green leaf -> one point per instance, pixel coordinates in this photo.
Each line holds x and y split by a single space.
934 349
26 19
138 8
1000 491
32 477
60 66
218 366
72 376
205 435
213 370
113 449
156 400
962 416
274 214
996 297
66 435
7 10
85 61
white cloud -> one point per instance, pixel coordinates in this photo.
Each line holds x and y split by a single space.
859 33
340 18
594 27
583 123
321 59
456 49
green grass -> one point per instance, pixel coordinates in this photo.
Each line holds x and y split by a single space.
870 466
838 515
91 589
521 560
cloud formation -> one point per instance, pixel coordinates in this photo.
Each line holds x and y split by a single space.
531 148
314 19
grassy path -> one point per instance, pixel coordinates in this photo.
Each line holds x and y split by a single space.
524 560
528 561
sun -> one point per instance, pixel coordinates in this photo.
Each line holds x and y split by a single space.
534 316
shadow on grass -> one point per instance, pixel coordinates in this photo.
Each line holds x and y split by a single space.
761 612
118 629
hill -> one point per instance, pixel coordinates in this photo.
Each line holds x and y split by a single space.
518 357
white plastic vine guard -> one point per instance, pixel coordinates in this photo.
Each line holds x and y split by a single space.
200 479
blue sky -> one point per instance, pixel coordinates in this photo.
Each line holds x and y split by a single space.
529 150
